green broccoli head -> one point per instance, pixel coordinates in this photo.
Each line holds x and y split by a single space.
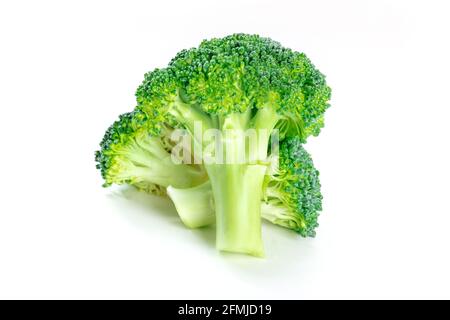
238 74
129 154
292 197
119 139
157 92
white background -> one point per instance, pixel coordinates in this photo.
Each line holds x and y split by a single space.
69 68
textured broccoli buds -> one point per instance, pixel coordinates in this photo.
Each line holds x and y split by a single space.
292 196
238 72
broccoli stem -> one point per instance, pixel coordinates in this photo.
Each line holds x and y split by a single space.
194 205
190 115
237 190
236 179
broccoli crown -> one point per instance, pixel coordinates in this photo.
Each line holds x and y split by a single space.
116 136
158 91
295 186
238 72
130 154
121 150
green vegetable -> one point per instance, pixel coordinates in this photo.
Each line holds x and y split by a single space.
292 197
236 83
228 86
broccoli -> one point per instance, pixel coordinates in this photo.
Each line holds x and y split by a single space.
130 155
292 196
232 84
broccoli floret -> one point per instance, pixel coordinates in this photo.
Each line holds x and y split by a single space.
237 83
130 155
292 196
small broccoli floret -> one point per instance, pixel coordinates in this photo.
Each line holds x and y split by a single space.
237 83
131 155
292 197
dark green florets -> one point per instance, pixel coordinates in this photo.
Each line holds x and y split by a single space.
296 188
117 135
121 147
238 72
157 92
131 154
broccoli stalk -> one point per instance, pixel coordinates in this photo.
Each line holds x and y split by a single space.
237 191
195 206
236 179
237 188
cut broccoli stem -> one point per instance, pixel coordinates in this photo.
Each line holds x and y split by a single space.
236 180
263 122
194 205
237 190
